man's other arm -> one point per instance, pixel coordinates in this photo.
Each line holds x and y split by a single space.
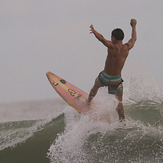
132 41
100 37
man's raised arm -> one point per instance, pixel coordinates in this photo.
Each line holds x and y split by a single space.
131 42
100 37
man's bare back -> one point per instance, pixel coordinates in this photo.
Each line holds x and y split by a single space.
116 57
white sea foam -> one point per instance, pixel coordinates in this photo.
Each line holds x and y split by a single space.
83 134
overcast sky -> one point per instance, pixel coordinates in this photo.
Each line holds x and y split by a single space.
53 35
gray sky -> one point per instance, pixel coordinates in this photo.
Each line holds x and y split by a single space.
39 36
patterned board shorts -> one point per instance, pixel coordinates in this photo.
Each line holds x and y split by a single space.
114 83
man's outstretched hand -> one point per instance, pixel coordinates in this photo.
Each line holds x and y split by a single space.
92 30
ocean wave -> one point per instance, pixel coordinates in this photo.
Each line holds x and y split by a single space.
85 140
16 129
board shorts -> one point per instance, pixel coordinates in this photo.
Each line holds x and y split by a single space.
114 83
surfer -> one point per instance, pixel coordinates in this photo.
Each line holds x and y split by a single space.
116 57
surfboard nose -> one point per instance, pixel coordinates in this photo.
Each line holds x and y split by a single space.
48 73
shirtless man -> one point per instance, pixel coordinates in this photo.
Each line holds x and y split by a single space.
117 54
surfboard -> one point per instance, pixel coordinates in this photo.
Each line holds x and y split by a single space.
73 95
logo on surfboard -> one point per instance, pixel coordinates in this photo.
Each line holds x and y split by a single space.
55 84
72 92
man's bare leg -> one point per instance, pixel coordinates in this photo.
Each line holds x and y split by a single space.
93 92
120 109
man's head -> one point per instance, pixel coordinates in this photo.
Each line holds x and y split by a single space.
118 34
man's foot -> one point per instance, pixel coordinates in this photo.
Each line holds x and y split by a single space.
121 120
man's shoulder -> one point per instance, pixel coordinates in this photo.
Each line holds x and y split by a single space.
126 47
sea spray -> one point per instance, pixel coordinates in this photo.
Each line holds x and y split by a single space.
89 141
140 84
69 146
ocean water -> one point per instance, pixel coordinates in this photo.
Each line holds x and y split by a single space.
50 131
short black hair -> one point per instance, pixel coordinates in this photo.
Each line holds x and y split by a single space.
118 34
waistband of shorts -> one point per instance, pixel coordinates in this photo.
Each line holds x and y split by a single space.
111 77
